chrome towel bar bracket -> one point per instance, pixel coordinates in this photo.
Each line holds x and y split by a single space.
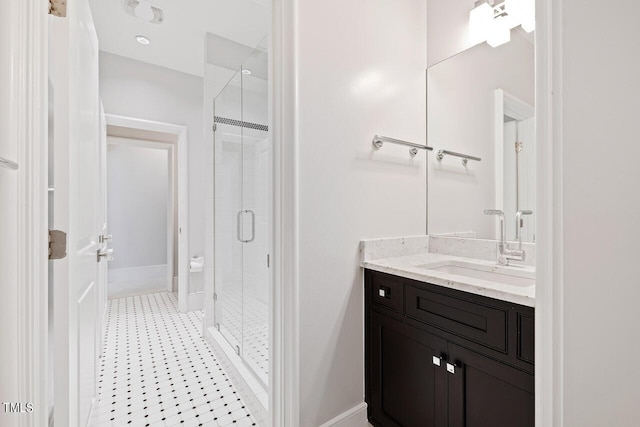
378 142
465 157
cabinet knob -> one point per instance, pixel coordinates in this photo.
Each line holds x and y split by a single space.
437 360
384 292
451 368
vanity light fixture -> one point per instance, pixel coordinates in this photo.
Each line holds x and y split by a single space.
492 20
143 40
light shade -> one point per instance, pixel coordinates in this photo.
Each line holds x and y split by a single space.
529 15
480 23
522 12
500 32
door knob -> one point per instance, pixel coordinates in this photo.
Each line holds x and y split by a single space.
108 255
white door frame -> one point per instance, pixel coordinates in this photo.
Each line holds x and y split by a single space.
171 192
24 246
284 329
549 234
180 178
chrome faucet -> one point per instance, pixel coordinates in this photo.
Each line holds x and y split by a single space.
519 225
504 254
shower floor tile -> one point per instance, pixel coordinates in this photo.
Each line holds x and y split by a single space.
244 319
157 370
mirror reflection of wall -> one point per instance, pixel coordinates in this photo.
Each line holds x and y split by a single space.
478 103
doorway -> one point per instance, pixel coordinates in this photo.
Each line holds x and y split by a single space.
147 208
141 216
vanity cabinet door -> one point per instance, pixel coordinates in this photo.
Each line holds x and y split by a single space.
407 388
484 392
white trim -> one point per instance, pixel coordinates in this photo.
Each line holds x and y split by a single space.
181 134
549 274
24 285
24 133
354 417
138 274
284 365
195 301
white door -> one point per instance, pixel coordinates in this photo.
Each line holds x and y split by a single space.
104 238
77 202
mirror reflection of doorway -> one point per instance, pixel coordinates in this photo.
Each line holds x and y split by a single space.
519 172
515 145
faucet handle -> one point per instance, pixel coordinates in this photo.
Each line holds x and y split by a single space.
520 221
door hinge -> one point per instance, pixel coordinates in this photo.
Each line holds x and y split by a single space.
238 350
58 8
268 261
215 127
57 244
215 296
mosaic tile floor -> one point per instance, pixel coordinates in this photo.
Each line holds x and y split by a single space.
157 370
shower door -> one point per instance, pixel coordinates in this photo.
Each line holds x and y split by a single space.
243 216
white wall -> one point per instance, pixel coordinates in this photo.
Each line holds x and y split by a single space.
360 71
141 90
600 220
461 118
138 203
447 28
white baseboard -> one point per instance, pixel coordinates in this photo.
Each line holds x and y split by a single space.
354 417
195 301
137 274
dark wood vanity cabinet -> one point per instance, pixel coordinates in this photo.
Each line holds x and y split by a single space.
440 357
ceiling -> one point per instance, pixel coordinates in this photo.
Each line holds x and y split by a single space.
179 42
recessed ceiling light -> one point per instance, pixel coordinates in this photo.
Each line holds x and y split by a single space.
143 40
246 72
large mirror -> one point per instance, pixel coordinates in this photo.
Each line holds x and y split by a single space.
480 121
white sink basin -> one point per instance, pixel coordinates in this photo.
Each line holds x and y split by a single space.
497 274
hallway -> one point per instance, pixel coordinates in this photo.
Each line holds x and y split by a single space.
156 369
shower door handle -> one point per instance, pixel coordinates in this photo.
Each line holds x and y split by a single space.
238 228
253 226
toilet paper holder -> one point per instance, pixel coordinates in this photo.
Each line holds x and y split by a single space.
196 264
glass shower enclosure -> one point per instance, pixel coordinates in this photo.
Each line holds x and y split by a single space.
243 213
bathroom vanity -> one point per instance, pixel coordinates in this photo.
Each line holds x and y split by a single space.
449 317
449 341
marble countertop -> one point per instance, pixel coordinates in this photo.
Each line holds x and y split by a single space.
415 266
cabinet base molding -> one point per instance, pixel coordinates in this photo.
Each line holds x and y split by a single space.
354 417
